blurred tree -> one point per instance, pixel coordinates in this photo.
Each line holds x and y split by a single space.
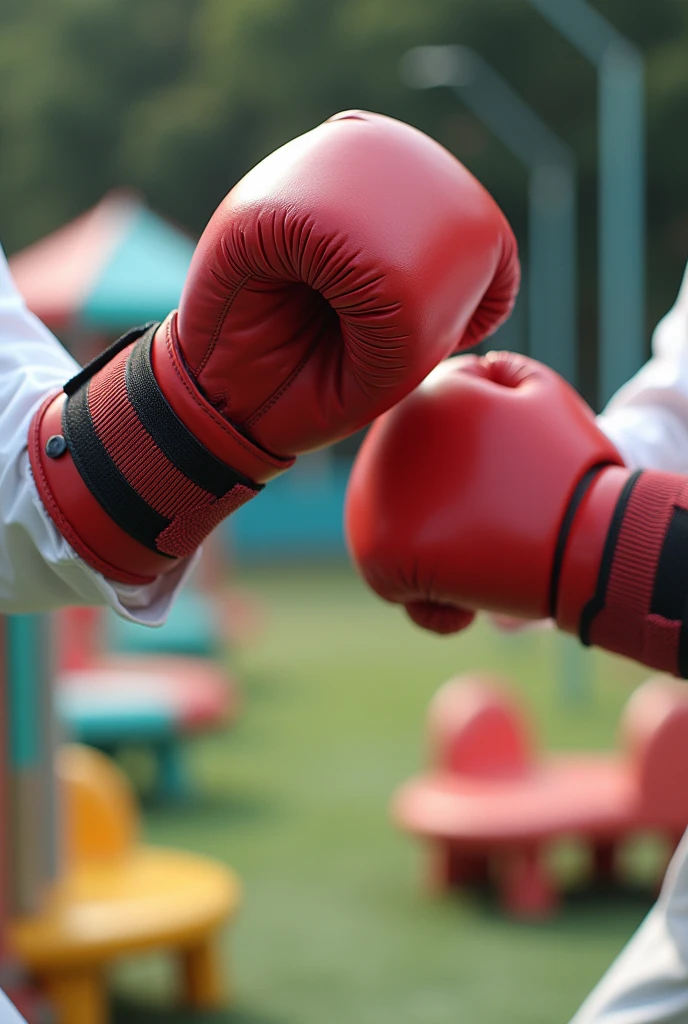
179 97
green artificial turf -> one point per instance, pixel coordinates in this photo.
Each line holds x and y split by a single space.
336 927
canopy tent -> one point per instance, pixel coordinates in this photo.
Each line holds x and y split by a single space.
116 265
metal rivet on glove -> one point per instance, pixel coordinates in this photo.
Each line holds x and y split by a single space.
55 446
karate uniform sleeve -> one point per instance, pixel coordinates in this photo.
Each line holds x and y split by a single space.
39 571
8 1014
647 419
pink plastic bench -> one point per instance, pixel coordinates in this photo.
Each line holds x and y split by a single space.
489 804
157 701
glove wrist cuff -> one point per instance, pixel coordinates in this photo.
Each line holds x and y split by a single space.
124 477
639 606
581 543
76 513
212 430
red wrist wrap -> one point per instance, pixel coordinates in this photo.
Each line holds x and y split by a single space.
130 484
640 607
142 464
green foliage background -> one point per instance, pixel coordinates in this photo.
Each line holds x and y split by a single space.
178 98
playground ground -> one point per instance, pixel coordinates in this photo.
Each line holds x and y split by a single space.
336 927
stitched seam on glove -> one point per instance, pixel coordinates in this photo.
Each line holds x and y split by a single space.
283 388
227 305
234 436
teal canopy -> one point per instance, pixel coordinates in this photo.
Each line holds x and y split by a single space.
144 276
115 265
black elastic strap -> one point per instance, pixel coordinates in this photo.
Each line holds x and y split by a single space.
102 477
173 438
579 493
90 369
597 601
105 481
670 590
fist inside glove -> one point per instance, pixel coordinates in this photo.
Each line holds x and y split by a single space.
326 286
491 487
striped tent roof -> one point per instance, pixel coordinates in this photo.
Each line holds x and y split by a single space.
117 264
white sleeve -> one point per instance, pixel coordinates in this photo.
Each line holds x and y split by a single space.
647 419
39 570
8 1014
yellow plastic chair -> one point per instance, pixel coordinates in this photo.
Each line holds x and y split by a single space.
118 897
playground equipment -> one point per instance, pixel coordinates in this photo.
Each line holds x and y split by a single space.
77 889
114 701
116 897
29 848
192 629
489 805
207 616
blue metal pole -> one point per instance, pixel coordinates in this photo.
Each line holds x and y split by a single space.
552 285
552 192
552 223
622 218
621 185
32 744
552 274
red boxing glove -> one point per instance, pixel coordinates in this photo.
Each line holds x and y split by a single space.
326 286
491 487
